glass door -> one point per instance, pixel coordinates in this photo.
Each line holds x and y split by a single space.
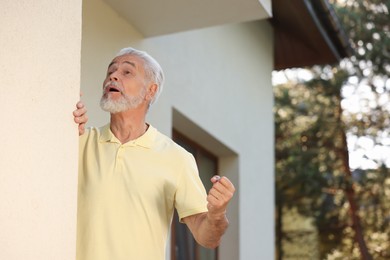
184 246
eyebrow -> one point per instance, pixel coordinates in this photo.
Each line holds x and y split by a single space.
128 62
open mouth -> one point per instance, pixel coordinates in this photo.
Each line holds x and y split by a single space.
112 89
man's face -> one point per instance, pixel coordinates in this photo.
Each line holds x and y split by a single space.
125 85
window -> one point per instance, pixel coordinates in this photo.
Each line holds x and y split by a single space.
184 246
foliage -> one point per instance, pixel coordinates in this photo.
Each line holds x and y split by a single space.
368 26
307 139
313 120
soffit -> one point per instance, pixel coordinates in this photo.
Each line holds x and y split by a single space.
307 33
159 17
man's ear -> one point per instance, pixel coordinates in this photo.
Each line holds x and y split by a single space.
152 90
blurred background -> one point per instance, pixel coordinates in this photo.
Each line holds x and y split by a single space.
332 145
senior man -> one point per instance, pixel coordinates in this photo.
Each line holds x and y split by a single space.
132 177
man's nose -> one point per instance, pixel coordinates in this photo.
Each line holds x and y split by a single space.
114 76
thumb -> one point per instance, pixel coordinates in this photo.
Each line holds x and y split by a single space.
215 179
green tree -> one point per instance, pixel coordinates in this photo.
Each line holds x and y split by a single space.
312 126
309 169
367 23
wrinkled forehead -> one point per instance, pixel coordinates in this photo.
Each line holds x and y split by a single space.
134 61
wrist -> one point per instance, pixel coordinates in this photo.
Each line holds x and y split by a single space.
216 216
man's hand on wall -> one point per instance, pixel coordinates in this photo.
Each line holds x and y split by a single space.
80 116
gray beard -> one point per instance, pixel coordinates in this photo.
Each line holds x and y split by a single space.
122 104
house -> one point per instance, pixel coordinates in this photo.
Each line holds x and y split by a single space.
217 56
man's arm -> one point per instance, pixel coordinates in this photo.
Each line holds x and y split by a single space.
208 228
80 116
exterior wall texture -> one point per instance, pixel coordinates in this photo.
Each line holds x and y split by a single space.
40 71
218 78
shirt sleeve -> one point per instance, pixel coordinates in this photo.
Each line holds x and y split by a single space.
190 197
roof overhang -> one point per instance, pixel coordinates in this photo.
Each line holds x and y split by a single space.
307 33
152 18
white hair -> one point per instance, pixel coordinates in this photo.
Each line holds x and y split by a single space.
153 70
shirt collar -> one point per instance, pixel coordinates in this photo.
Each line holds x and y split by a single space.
145 140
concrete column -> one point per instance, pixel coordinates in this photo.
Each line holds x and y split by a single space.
40 44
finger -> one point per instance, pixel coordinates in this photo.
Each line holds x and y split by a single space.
80 111
224 186
80 104
227 184
216 204
220 194
222 197
215 178
215 193
81 119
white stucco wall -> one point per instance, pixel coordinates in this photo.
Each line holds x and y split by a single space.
220 79
40 73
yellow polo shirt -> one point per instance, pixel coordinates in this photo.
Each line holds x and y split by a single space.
128 192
